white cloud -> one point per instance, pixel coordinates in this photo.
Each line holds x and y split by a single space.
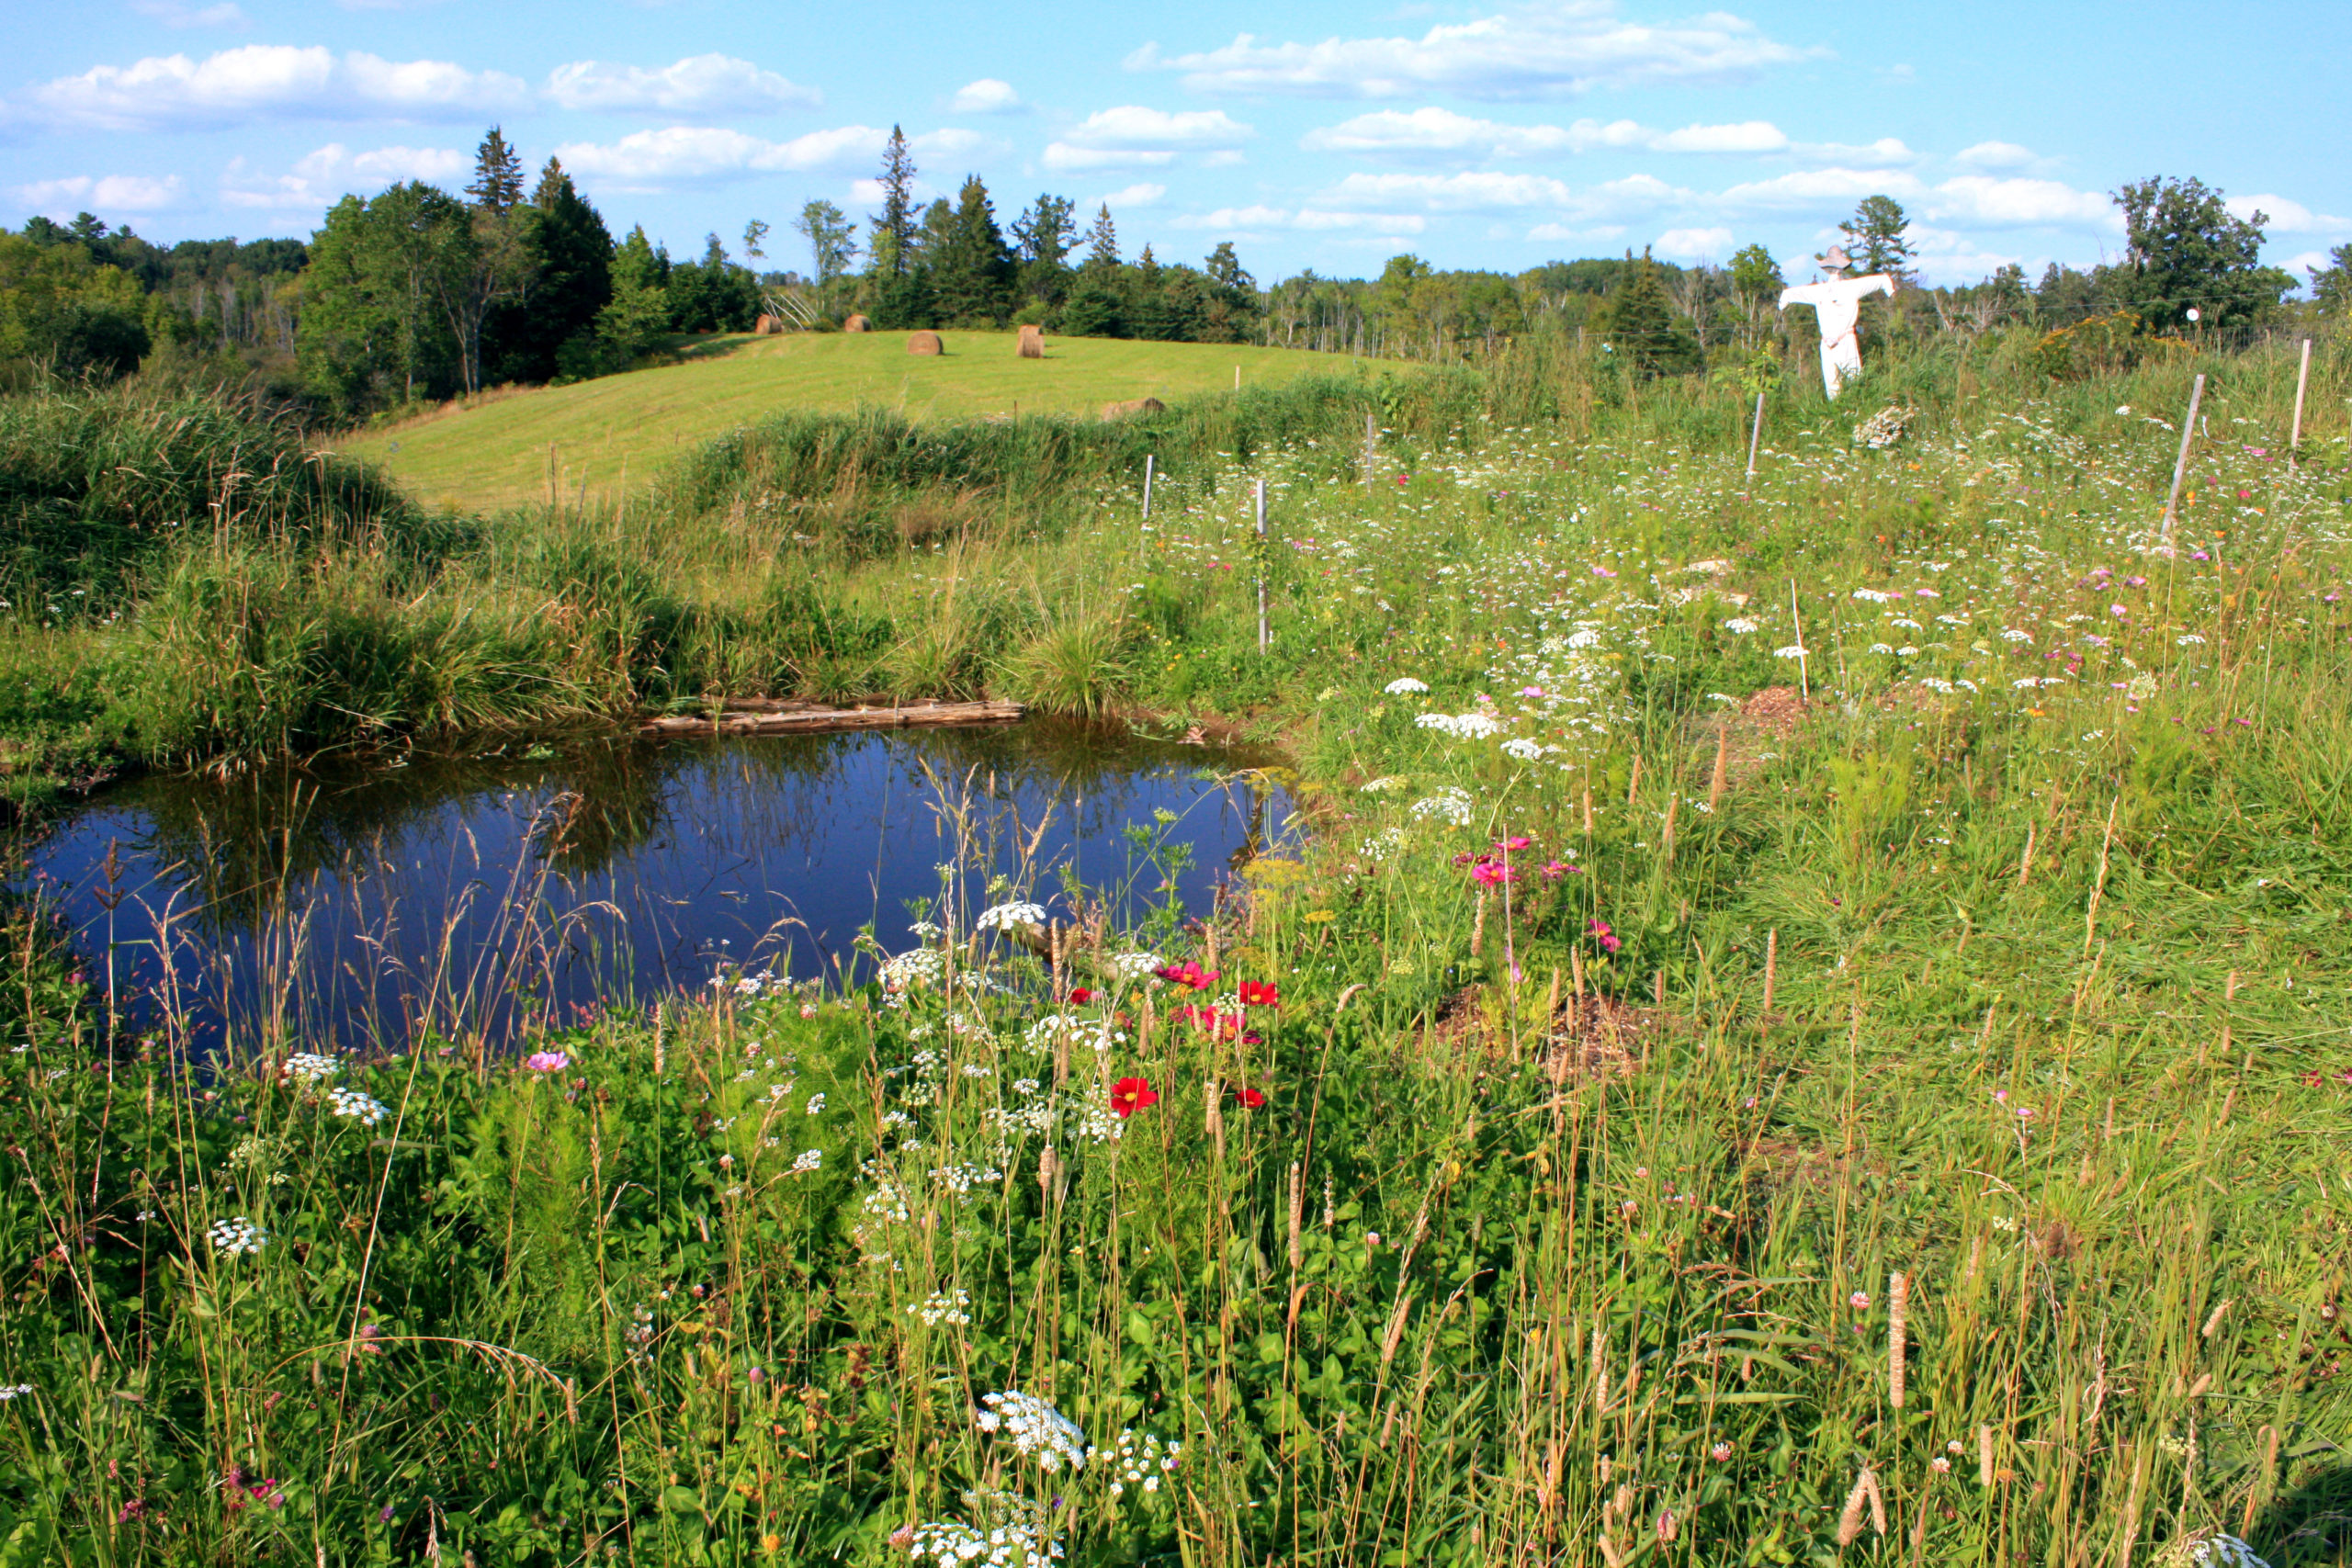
1145 194
1132 135
1946 255
2021 204
1694 244
105 194
955 142
1885 152
987 95
2307 264
1569 235
323 177
650 158
1488 190
1747 136
1262 218
179 14
1443 133
2284 217
1996 155
1813 187
1527 52
272 82
699 86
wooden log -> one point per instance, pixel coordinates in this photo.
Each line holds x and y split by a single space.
809 719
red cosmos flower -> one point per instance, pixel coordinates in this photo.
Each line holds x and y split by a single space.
1259 993
1131 1095
1190 975
1249 1098
1081 995
1599 930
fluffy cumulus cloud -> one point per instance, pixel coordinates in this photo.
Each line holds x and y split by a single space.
103 193
987 95
323 177
1533 52
1987 202
2281 216
687 154
1805 190
1143 193
699 86
1134 137
263 82
1996 155
1694 244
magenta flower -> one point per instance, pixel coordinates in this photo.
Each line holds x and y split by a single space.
1599 930
1530 691
547 1061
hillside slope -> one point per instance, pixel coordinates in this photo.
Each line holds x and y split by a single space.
508 449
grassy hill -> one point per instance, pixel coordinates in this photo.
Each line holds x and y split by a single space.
505 448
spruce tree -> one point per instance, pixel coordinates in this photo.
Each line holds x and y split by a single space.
893 228
1102 240
972 271
498 174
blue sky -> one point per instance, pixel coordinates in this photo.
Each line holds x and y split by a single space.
1321 135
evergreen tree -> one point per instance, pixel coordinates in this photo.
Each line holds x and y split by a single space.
1042 237
1102 240
971 270
1641 324
2332 285
498 174
570 255
1874 238
893 228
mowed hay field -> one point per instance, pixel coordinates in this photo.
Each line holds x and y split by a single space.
506 448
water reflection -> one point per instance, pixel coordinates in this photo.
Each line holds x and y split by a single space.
461 894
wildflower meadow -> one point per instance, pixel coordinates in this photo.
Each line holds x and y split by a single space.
1795 1031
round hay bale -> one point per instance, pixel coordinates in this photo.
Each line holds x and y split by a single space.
1133 406
1033 341
924 343
858 325
767 324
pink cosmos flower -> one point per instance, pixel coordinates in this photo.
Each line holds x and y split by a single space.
547 1061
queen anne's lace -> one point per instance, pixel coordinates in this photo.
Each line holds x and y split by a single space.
1034 1428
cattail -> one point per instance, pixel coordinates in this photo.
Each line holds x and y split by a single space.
1608 1551
1985 1456
571 1401
1850 1519
2197 1390
1575 992
1665 840
1600 1372
1215 1097
1723 756
1479 926
1898 1307
2214 1322
1048 1167
1588 807
1633 780
1771 962
1878 1503
1976 1255
1297 1216
2025 860
1210 964
658 1021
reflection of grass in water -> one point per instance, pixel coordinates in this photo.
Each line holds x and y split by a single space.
449 889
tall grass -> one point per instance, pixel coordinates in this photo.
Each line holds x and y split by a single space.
1548 1211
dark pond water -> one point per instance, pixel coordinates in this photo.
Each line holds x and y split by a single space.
365 905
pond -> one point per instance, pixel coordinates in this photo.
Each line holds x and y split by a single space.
358 907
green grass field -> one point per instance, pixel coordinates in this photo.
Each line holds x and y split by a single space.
497 450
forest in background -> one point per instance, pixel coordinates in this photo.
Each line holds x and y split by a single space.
417 295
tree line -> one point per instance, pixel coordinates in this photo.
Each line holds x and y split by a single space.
418 293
